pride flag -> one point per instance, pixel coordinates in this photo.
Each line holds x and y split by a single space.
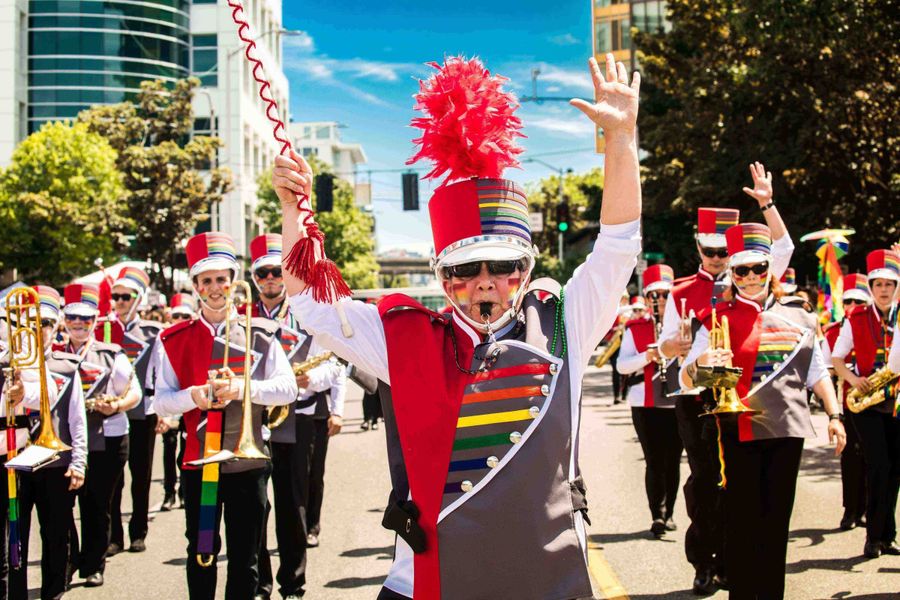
831 246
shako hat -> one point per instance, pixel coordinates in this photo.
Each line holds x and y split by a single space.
211 251
712 223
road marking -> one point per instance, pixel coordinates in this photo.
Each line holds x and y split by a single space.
604 575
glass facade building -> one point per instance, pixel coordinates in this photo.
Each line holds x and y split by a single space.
85 52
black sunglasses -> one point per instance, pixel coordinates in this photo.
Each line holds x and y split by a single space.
744 270
711 252
854 301
122 297
495 267
47 323
654 295
82 318
263 273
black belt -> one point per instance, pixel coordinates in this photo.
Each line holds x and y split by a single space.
21 421
403 518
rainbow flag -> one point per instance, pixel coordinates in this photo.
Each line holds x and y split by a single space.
831 287
15 557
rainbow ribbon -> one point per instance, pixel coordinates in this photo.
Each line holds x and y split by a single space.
15 555
209 487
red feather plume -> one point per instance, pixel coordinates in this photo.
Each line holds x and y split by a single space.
469 129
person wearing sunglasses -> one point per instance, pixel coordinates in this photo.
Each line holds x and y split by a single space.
868 334
52 488
482 414
773 341
137 337
300 442
186 354
107 425
651 408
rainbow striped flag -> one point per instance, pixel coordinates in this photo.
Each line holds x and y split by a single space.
831 287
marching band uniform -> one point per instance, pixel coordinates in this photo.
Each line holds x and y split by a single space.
189 351
105 369
137 338
651 409
48 489
868 333
775 345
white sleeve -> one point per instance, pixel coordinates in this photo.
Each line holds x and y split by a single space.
280 386
671 320
339 393
630 360
78 425
366 348
32 399
170 400
701 343
817 368
844 344
894 357
122 376
782 250
592 294
826 351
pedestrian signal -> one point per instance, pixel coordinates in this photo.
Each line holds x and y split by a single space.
562 216
324 192
410 191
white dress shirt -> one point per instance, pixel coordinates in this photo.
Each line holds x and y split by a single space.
631 361
330 375
31 400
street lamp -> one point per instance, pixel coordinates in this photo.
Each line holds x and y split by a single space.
562 173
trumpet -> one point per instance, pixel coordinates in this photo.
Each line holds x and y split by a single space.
721 380
685 329
277 414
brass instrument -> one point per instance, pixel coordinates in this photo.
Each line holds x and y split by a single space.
93 404
685 328
614 343
722 380
880 380
277 414
657 331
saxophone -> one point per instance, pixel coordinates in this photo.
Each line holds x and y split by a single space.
277 414
881 381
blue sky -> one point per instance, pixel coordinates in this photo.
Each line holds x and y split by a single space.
359 64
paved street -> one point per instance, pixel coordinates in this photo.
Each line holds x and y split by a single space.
355 554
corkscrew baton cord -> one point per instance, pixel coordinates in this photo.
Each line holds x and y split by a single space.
320 274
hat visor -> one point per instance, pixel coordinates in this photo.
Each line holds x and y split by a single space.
182 310
268 260
657 285
214 263
855 294
749 257
711 240
789 288
483 251
883 274
80 309
49 313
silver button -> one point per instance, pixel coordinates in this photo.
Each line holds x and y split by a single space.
466 486
515 437
492 461
763 378
554 368
545 389
784 357
534 411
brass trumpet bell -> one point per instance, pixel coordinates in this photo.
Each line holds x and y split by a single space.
723 379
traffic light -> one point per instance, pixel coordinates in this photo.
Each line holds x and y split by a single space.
562 216
324 192
410 191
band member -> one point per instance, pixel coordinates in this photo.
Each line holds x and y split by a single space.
51 489
853 465
651 408
107 424
482 418
188 353
868 333
618 329
773 341
137 337
788 281
703 541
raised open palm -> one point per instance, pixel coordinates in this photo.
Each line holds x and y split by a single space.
616 107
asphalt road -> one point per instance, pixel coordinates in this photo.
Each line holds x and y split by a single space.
355 552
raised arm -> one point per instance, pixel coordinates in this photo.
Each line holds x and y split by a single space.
292 179
783 246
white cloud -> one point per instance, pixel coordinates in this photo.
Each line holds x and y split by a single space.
565 39
553 89
575 125
302 41
569 78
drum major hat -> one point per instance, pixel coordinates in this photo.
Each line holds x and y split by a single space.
82 299
712 224
658 277
265 251
856 287
749 243
883 264
211 251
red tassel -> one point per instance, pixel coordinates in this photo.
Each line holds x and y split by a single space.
301 260
327 284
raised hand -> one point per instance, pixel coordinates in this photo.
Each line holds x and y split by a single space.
292 177
762 184
616 106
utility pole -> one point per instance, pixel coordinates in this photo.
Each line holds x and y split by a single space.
562 173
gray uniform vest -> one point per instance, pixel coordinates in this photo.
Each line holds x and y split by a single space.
103 355
138 346
286 433
62 367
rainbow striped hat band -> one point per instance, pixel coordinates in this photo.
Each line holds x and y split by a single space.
712 223
182 302
658 277
883 264
749 243
480 219
134 278
856 287
82 299
789 280
265 251
211 251
50 301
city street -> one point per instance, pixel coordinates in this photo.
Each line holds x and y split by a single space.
355 552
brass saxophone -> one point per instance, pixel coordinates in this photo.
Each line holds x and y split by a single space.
614 343
93 404
277 414
881 380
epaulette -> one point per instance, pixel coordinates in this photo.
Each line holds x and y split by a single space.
400 302
156 326
106 347
173 329
66 356
267 326
544 289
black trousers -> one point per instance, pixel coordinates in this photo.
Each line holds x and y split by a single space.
371 404
171 464
759 499
318 452
617 379
879 435
242 502
704 540
853 472
48 491
657 431
105 470
141 443
4 526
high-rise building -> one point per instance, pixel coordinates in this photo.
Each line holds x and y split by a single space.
58 57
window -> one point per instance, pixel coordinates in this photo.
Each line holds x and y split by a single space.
204 58
613 36
323 132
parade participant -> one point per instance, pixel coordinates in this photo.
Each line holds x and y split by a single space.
188 353
51 489
485 398
651 408
137 337
703 542
108 398
181 308
853 466
788 281
773 341
868 332
293 439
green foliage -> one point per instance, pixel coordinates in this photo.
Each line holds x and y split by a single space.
61 204
807 88
165 171
348 230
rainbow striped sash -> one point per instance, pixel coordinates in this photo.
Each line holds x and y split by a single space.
15 550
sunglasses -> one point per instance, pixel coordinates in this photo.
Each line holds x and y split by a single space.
854 301
656 295
744 270
48 323
714 252
82 318
495 267
180 317
122 297
263 273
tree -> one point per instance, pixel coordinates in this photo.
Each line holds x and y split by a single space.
61 204
169 175
808 88
348 230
